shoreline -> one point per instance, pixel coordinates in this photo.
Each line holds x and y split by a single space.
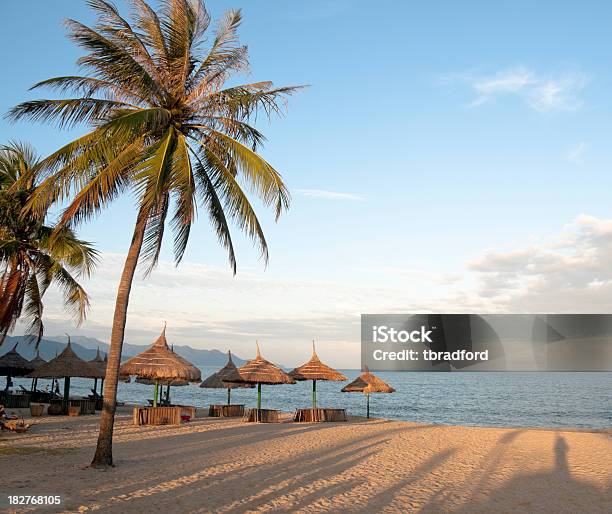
202 414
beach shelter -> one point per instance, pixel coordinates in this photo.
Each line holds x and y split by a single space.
219 380
161 365
368 383
315 370
101 364
36 363
12 364
67 365
260 371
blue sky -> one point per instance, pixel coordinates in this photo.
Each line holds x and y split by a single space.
437 139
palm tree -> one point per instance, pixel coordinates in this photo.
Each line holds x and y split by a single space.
166 128
33 255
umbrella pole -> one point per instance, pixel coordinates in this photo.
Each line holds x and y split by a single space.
368 406
168 394
155 394
66 392
229 394
314 394
258 396
32 386
101 386
8 381
95 386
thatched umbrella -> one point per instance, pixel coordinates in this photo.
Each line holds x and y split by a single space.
12 364
260 371
368 383
66 365
36 362
160 364
315 370
101 364
219 379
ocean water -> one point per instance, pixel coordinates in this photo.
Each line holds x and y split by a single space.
580 400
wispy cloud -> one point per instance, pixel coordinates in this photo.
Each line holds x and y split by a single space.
328 195
543 93
576 153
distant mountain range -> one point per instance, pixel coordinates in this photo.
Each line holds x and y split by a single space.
85 347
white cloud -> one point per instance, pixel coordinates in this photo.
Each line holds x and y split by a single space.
541 93
570 273
328 195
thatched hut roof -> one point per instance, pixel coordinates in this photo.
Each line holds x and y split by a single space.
227 372
37 361
67 364
261 371
314 369
99 361
368 383
12 363
159 363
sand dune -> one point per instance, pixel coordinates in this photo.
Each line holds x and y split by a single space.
361 466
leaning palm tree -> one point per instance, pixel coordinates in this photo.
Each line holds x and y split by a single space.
34 255
164 127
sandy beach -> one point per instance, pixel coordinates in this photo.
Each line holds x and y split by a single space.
216 465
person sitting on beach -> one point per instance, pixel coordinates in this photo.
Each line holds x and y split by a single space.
4 415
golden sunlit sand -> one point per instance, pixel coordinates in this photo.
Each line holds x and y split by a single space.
224 465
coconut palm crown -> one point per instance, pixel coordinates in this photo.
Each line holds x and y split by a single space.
34 255
164 125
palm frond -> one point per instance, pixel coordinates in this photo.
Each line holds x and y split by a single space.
113 62
90 86
264 180
236 202
65 113
215 210
33 310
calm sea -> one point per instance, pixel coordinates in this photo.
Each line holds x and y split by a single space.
582 400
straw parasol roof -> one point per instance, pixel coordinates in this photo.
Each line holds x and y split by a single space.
67 364
99 361
314 369
260 371
13 364
160 363
227 372
37 361
368 383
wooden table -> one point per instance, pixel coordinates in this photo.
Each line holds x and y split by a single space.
261 416
187 410
319 415
225 411
156 415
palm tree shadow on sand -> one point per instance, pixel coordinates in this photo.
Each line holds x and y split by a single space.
554 490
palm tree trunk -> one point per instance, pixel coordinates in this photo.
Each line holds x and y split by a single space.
104 449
